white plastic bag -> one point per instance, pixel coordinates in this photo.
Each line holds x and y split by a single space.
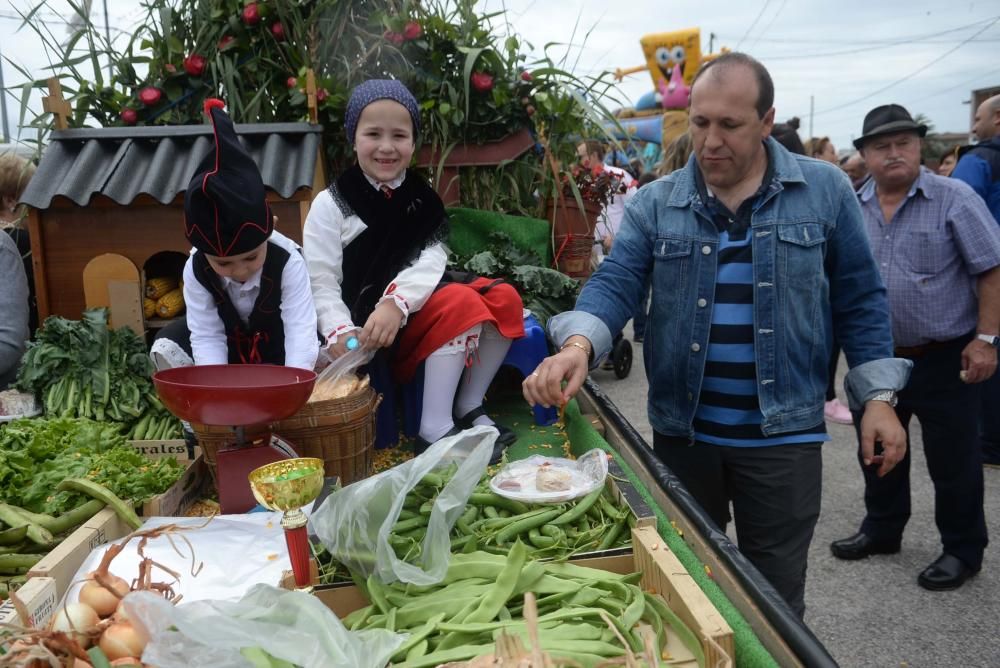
354 523
288 625
517 479
346 364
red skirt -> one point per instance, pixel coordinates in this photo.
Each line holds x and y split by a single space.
451 310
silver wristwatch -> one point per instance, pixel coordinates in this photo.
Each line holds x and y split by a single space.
888 396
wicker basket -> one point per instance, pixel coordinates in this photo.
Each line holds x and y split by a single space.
341 432
211 439
573 253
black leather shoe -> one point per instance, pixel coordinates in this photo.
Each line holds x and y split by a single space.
945 574
860 546
420 444
506 437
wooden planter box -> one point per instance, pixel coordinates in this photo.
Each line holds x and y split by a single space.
445 168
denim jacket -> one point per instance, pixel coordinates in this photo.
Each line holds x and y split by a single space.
814 278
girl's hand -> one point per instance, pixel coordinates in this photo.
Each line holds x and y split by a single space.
335 350
382 326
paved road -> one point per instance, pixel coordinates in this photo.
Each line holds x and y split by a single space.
872 612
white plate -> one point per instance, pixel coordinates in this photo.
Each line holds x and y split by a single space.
586 474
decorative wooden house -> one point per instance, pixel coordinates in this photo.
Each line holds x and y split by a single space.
106 208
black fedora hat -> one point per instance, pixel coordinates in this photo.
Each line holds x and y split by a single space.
885 120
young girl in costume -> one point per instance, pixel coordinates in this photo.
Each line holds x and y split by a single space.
374 245
246 287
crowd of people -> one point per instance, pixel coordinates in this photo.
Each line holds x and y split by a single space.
766 256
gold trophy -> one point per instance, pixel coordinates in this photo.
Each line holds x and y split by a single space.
288 485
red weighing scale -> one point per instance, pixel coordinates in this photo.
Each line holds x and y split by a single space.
238 396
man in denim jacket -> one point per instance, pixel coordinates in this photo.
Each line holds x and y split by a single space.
758 258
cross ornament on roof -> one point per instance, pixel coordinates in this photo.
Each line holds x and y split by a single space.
56 105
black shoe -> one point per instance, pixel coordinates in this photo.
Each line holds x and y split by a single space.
420 444
945 574
860 546
507 435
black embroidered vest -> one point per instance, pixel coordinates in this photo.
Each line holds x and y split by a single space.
261 340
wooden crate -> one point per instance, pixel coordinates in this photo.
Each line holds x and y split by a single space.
62 563
65 560
40 599
662 574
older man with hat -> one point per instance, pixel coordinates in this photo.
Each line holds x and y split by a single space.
938 250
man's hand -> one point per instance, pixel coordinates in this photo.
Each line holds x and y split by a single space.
879 423
545 385
979 361
382 326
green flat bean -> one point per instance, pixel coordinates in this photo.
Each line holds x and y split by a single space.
14 535
686 635
18 562
504 587
417 651
633 613
410 524
612 535
357 618
491 512
10 516
376 593
579 509
540 541
446 656
495 500
524 525
552 531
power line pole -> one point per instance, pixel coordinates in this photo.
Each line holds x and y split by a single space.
3 105
811 112
711 41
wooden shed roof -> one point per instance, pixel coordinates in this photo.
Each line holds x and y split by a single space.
123 163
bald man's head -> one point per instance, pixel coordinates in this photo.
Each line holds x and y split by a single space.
986 124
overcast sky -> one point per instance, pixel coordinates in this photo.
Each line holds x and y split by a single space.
849 55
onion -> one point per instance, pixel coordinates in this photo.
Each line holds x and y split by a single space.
120 640
99 598
76 619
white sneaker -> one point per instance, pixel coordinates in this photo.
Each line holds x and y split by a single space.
837 412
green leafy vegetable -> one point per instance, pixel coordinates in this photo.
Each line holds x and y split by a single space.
81 368
36 455
544 291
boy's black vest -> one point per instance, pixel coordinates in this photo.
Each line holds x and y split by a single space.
261 340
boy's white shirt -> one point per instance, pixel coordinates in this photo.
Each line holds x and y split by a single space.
298 313
327 231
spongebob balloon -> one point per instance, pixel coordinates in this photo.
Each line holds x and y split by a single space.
672 60
665 50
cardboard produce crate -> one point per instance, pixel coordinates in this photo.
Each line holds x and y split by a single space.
65 560
39 598
662 574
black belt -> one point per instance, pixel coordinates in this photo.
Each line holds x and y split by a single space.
924 348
